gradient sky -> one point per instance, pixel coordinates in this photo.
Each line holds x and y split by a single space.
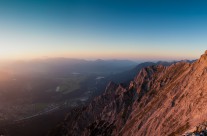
115 29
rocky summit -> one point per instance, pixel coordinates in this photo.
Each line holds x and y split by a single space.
160 101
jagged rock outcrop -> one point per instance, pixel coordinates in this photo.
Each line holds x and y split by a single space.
105 115
199 130
160 101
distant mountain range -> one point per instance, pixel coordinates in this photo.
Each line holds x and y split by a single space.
162 100
64 66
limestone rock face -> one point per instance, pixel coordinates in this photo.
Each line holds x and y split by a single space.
203 58
160 101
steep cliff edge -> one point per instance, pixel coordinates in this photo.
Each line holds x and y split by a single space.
164 101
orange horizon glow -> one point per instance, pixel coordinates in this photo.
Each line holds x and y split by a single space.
145 56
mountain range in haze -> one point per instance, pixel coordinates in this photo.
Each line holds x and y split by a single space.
66 66
75 84
160 101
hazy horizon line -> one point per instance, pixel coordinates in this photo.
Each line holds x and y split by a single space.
140 60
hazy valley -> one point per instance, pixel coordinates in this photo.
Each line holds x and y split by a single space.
33 93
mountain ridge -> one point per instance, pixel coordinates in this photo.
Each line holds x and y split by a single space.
161 100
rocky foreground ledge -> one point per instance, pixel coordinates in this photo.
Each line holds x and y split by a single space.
200 130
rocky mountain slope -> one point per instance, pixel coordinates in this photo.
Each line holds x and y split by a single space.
160 101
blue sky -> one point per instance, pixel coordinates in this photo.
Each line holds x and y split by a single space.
115 29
